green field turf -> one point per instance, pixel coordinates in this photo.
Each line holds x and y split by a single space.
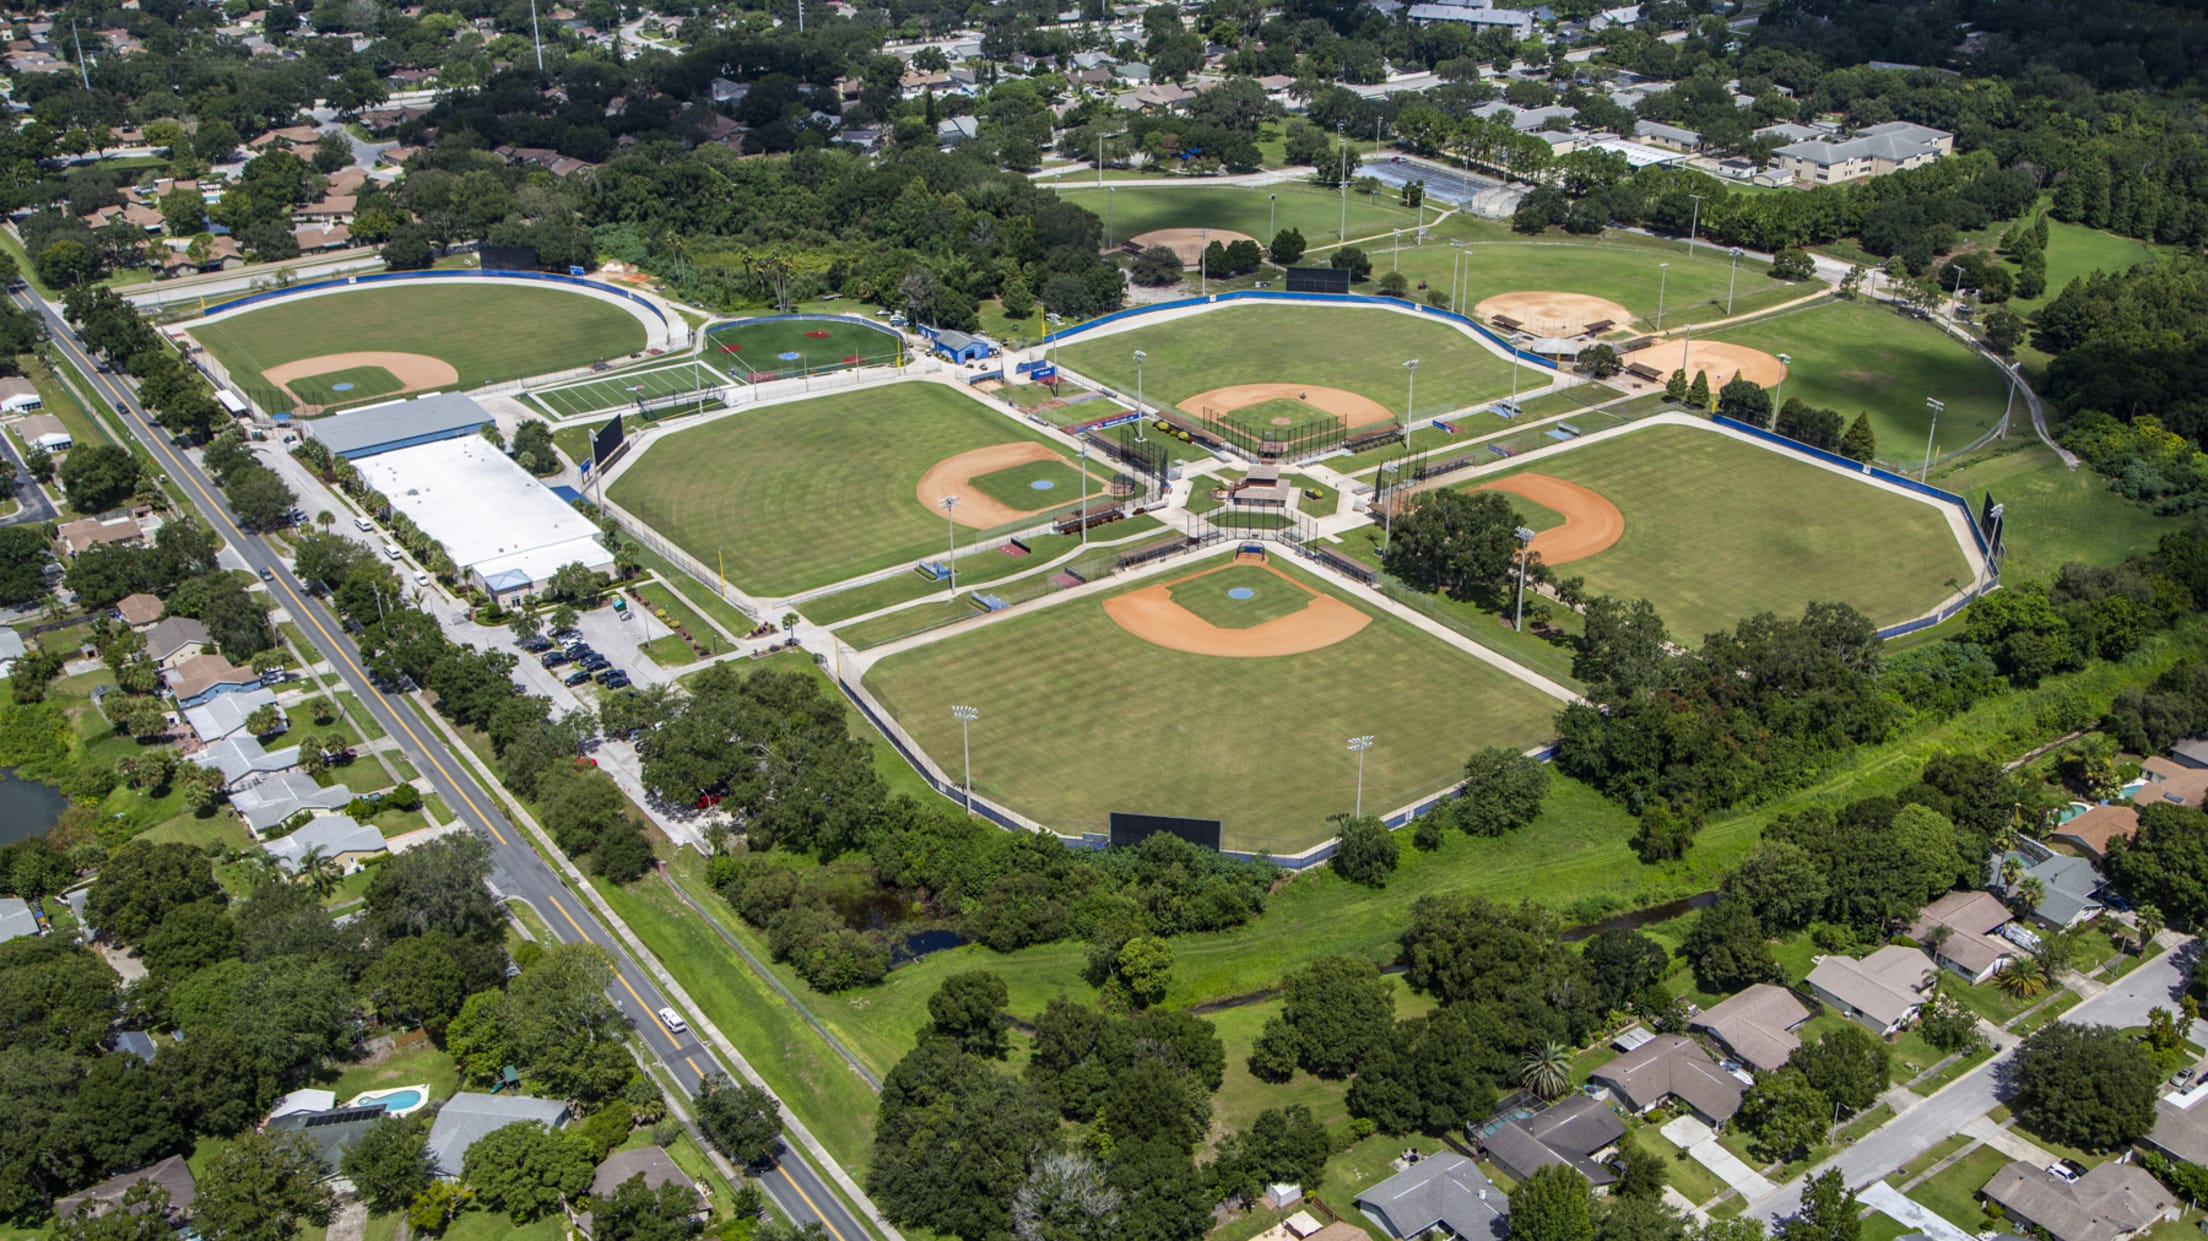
1717 529
1080 718
365 381
1270 598
1314 211
755 346
1015 488
1359 351
488 332
621 389
801 495
1856 356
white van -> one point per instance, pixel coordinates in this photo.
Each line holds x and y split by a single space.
674 1023
362 523
391 550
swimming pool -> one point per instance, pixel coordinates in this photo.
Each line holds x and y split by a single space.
397 1101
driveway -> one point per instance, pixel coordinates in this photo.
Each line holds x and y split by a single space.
1696 1138
1911 1214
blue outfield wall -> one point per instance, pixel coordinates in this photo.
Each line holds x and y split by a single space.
395 277
1323 299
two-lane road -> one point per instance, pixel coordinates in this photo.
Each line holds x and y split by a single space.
518 871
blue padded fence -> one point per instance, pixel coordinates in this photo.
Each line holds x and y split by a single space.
395 277
856 320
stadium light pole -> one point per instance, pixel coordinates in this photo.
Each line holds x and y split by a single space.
1358 746
1084 491
951 527
1693 222
1395 260
1111 195
1139 356
1387 510
1203 262
1785 360
534 37
1410 397
1663 274
1935 406
1525 549
1514 374
2010 407
966 716
1732 281
1272 217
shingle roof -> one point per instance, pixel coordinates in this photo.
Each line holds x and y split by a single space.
2093 830
469 1117
170 1174
1884 985
1971 918
333 834
1445 1188
1757 1025
1671 1064
219 717
2110 1202
16 918
1569 1133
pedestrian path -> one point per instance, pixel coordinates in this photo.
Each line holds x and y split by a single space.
2008 1141
1697 1139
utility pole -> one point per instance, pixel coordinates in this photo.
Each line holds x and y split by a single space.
1084 491
1139 415
1694 221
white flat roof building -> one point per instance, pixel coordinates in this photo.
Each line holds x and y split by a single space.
501 526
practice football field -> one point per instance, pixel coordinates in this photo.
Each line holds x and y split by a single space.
801 495
1079 717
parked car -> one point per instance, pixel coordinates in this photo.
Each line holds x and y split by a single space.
567 635
575 678
267 576
607 676
534 645
553 659
2066 1170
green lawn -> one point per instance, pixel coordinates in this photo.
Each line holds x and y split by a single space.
339 387
2053 515
800 495
1681 1170
487 332
1857 356
1952 1195
426 1063
904 622
1313 210
1070 727
1360 350
2073 250
1717 529
755 346
834 609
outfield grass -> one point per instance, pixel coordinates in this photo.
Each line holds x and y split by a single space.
1356 350
363 382
1856 356
1080 717
834 609
487 332
1313 210
2053 515
755 346
801 495
1717 529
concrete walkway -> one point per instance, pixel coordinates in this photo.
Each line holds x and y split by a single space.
1696 1138
1911 1214
2008 1141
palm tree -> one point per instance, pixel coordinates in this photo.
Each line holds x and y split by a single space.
2012 869
2150 925
319 871
2029 892
2025 978
325 519
1547 1070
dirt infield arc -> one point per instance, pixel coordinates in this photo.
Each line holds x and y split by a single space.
417 371
1354 410
1717 359
1151 614
954 475
1554 314
1189 243
1591 522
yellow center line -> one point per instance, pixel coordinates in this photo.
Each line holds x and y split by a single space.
336 649
819 1214
657 1022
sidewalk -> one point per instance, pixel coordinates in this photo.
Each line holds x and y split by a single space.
1697 1139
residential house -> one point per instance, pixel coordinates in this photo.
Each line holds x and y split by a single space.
954 130
1756 1027
16 918
45 431
1518 22
2192 752
469 1117
272 801
2167 780
1673 1066
1155 95
1962 932
139 611
1576 1132
240 758
19 395
224 715
88 532
1670 137
2070 890
11 649
1132 71
2109 1203
1445 1191
1872 152
170 1174
136 1044
338 838
1882 992
2089 833
336 207
332 1130
313 238
649 1162
301 1101
176 639
2180 1124
202 677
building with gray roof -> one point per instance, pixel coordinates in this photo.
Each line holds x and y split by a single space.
333 1130
336 836
268 803
469 1117
170 1174
1574 1133
1445 1190
16 918
1871 152
1757 1026
2109 1203
1672 1066
401 424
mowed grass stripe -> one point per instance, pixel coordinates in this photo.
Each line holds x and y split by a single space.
1717 529
803 495
1080 718
488 332
1359 351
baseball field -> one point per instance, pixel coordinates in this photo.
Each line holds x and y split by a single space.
1293 348
1084 711
422 336
756 346
1715 529
1315 212
804 494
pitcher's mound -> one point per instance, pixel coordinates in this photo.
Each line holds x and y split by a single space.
1549 313
1189 243
1716 359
